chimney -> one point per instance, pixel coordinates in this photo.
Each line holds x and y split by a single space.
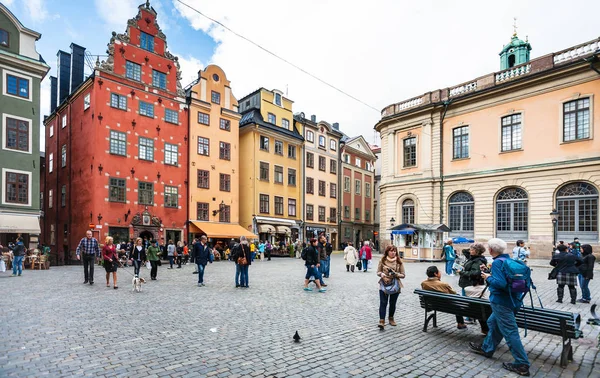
53 93
77 66
64 75
336 126
313 118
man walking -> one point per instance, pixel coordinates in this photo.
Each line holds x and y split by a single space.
502 322
18 254
88 246
202 257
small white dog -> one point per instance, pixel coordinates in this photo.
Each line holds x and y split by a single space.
137 282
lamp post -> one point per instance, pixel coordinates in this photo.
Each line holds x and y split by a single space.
554 217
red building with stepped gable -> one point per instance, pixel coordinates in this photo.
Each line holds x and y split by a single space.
116 143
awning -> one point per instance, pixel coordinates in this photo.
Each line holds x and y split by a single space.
403 232
281 221
27 224
283 230
422 227
266 229
222 230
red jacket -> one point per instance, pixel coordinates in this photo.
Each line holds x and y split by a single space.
110 253
366 249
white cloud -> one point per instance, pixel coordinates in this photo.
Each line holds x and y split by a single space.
8 3
37 9
115 13
189 68
379 51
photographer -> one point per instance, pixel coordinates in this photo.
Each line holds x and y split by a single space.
391 270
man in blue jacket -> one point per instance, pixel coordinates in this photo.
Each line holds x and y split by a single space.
201 254
502 322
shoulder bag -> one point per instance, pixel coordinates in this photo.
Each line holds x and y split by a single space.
241 260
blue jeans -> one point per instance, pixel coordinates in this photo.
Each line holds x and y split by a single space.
136 267
243 275
18 265
171 261
502 324
326 269
383 302
365 264
585 288
313 272
201 273
449 264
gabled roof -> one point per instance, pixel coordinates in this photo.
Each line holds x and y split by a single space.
366 148
254 117
18 24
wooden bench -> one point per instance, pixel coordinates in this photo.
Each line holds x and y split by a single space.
553 322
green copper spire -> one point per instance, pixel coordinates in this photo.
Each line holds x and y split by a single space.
515 53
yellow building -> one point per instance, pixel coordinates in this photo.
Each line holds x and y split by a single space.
214 162
271 166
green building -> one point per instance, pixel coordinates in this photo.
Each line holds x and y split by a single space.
21 71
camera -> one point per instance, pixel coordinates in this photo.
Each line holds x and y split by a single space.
486 271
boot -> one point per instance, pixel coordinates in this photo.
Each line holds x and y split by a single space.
573 292
560 291
381 324
392 322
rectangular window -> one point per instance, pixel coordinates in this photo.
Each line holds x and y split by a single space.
64 121
332 190
17 188
203 146
333 166
133 71
50 199
367 189
4 40
322 141
369 166
63 196
332 144
346 158
278 147
291 207
146 149
511 132
310 136
172 116
310 160
322 163
171 154
86 101
225 214
159 79
346 184
146 109
224 182
291 151
356 213
310 212
203 179
264 143
171 196
215 97
17 86
145 193
271 118
264 171
278 205
51 131
51 163
278 174
357 185
117 101
410 152
322 187
225 124
277 99
291 177
576 119
367 215
203 118
17 134
357 162
332 215
285 123
146 41
460 142
224 151
202 211
116 190
310 185
264 204
321 213
347 212
63 156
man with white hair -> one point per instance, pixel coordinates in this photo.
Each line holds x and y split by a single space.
242 258
502 322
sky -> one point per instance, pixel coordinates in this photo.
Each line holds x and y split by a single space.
380 51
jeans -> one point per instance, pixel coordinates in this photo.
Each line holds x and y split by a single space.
179 261
201 273
449 264
326 269
17 265
365 264
88 265
502 324
243 275
585 288
154 269
383 302
171 261
136 267
312 272
238 273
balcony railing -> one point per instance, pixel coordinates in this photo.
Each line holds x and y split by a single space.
462 89
576 52
513 73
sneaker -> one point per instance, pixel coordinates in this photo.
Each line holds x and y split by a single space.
519 369
91 282
19 275
324 285
583 300
202 284
559 301
307 289
322 290
461 326
14 275
199 285
572 301
237 285
84 282
476 348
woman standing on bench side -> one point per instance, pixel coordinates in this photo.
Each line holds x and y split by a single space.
390 268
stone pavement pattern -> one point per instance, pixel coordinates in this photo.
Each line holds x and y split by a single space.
53 325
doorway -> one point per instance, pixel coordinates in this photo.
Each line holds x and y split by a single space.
357 239
146 235
174 235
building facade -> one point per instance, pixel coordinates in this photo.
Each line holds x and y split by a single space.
116 142
270 167
357 192
376 200
21 71
493 157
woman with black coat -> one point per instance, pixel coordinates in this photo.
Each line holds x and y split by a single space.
586 273
312 264
470 280
138 256
565 264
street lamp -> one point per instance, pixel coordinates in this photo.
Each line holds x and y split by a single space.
554 217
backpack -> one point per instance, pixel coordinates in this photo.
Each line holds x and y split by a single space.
304 253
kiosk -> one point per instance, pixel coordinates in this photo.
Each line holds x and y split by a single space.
419 242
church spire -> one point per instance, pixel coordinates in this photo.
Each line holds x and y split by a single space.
516 52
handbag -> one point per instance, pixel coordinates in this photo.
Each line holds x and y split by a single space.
158 262
391 288
553 274
359 265
148 265
2 265
242 259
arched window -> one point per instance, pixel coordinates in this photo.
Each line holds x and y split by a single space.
512 214
408 211
461 214
511 60
577 205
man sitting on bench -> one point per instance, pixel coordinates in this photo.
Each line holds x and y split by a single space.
433 283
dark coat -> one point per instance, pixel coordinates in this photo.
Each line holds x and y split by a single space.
586 269
201 253
471 274
312 256
240 250
566 262
134 253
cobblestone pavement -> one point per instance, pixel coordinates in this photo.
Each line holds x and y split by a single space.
53 325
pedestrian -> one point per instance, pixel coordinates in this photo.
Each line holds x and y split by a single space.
449 254
18 252
391 271
88 246
470 280
171 253
110 259
329 251
520 252
366 255
350 257
586 273
186 253
502 322
138 256
576 247
261 250
179 256
202 258
153 255
322 246
434 283
312 266
243 259
565 265
268 250
252 251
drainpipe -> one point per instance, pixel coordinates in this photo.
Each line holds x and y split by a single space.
339 192
70 168
591 61
446 105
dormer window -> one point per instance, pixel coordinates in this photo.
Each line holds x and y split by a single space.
277 99
4 38
146 41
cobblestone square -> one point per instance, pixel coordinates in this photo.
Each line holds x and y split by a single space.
53 325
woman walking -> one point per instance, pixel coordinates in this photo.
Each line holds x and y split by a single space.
351 257
449 255
171 253
243 259
390 269
179 250
565 264
153 254
470 280
312 266
586 273
111 261
366 255
138 256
